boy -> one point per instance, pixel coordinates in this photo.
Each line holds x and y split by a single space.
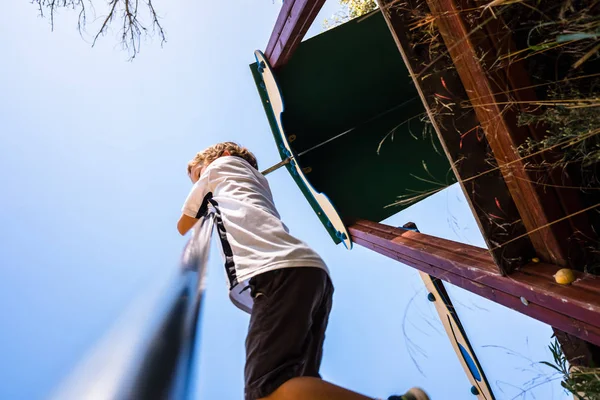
290 293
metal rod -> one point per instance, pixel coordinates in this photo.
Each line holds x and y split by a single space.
149 353
276 166
287 160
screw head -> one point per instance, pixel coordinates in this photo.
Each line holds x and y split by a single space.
524 301
431 297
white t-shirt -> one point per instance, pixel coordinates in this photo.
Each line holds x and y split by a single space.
253 238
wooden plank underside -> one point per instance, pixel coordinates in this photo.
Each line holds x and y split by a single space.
502 136
295 18
469 49
511 82
579 352
574 309
460 133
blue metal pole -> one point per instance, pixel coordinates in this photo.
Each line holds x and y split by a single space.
149 352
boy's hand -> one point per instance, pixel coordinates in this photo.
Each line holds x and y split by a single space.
185 223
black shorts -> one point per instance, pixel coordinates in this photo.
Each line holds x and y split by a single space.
287 327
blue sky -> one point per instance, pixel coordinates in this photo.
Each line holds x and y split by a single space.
92 169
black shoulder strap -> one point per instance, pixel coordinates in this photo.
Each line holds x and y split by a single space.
204 206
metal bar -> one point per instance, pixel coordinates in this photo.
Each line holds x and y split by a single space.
148 353
323 143
574 309
276 166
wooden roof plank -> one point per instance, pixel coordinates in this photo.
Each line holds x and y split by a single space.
502 136
460 133
574 309
294 20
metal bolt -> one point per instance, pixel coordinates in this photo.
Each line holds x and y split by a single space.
431 297
524 301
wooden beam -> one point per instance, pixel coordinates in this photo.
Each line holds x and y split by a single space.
295 18
471 44
574 309
460 133
502 136
513 90
511 82
537 203
579 352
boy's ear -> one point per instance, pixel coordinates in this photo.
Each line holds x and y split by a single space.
226 153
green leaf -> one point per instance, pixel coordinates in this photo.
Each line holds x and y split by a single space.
551 366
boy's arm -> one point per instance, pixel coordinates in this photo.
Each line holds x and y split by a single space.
208 179
192 205
185 223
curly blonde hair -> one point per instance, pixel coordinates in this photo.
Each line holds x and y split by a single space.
210 154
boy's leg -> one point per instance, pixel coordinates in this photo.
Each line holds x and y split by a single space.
313 389
314 353
316 389
285 337
281 338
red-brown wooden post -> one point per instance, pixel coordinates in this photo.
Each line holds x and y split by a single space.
295 17
469 45
531 290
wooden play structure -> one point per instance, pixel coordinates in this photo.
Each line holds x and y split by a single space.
311 101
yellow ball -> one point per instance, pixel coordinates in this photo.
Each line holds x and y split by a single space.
564 276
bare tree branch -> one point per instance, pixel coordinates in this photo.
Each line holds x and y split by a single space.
156 24
132 25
